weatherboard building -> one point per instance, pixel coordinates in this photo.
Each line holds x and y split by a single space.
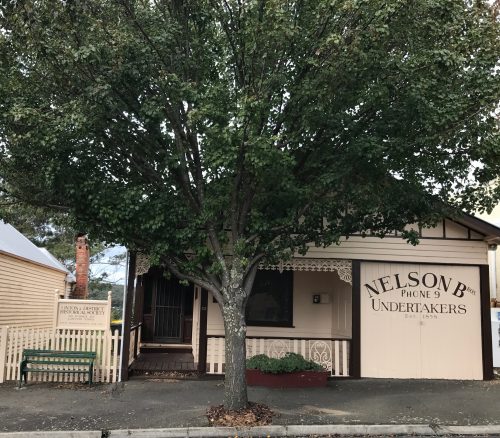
369 307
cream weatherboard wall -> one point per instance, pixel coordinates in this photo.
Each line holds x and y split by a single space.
468 252
324 320
314 324
420 321
342 311
448 241
27 292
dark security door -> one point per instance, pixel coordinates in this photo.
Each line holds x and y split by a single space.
169 310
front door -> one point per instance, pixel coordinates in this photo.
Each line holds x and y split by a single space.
169 310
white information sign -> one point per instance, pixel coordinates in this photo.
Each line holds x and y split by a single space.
83 314
420 321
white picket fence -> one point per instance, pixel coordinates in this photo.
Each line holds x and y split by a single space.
332 354
14 339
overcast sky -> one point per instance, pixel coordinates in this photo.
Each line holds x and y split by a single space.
115 273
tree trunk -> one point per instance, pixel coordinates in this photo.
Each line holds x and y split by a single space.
235 385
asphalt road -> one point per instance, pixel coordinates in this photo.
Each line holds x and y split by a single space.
165 403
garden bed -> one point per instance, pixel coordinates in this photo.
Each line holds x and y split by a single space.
289 371
299 379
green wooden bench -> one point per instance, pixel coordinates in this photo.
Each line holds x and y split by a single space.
41 361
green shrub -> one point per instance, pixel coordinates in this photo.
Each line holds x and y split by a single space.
290 363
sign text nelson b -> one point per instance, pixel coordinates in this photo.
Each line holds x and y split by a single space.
425 286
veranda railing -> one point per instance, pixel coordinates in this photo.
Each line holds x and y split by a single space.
332 353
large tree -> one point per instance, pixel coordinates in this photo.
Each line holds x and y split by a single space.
217 135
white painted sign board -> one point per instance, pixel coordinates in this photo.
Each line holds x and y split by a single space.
420 321
83 314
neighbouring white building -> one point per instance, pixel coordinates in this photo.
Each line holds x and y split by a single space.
494 254
29 277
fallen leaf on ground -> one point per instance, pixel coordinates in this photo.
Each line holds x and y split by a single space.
255 414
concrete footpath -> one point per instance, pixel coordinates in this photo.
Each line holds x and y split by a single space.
177 408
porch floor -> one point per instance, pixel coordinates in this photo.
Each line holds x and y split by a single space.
152 362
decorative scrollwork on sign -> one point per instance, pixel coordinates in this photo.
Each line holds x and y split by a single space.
142 264
342 267
321 353
277 349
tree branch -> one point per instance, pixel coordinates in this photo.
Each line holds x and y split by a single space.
204 284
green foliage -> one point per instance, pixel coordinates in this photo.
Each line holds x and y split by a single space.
196 129
170 128
98 290
54 230
116 314
290 363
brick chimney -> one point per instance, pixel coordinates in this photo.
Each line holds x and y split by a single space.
81 289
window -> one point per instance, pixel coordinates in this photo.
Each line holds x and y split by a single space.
271 300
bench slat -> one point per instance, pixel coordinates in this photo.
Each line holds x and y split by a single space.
36 370
59 362
27 350
59 354
86 356
71 354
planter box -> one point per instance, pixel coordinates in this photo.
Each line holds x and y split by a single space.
302 379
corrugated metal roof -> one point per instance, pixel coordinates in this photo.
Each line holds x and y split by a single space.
13 242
